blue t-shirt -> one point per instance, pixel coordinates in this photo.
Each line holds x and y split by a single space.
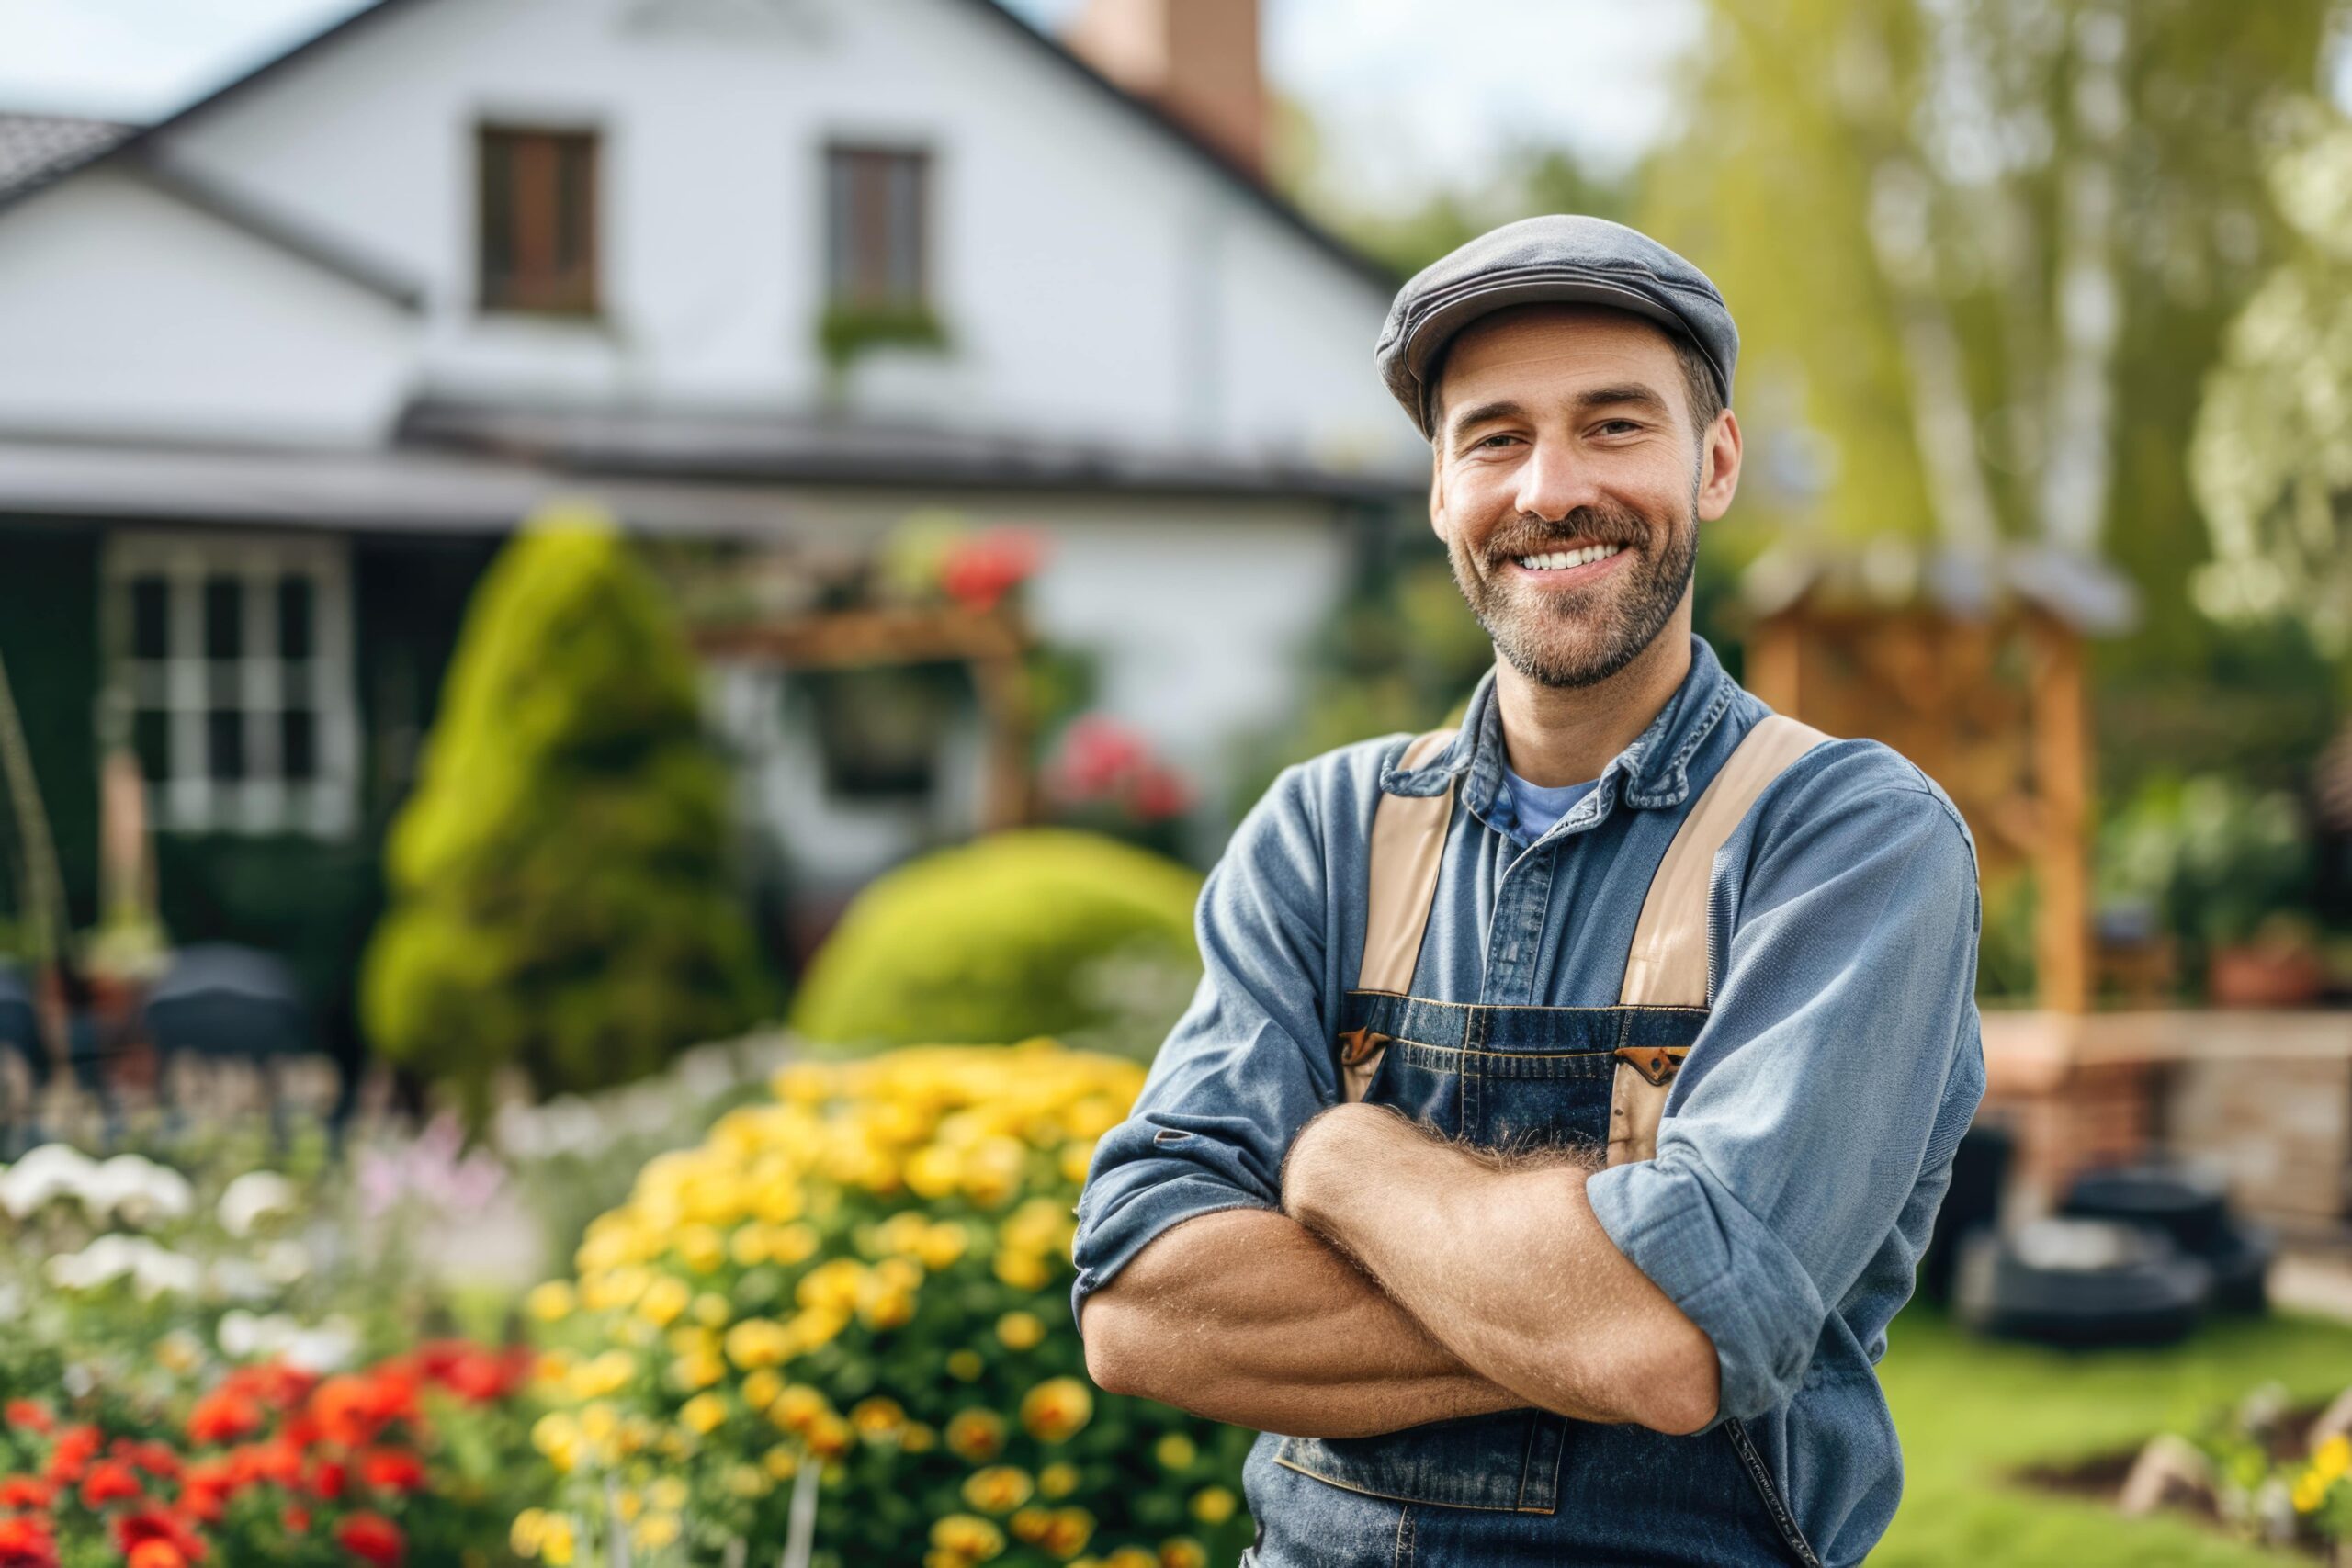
1526 811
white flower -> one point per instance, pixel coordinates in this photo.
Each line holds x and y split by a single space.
52 1170
285 1261
151 1269
138 1191
252 1198
330 1347
239 1280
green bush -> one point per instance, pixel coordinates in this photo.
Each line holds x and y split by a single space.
999 939
560 900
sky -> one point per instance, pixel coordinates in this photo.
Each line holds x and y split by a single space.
1410 93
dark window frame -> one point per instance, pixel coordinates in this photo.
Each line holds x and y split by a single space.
871 188
539 212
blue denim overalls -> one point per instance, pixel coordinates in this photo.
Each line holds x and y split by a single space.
1527 1486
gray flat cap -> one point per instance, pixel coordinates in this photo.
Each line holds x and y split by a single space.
1561 258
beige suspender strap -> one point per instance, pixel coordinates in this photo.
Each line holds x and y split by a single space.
1666 965
1407 846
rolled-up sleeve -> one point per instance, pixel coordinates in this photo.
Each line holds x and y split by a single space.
1245 1066
1836 1070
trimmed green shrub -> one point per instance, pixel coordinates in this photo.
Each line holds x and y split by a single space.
560 898
997 941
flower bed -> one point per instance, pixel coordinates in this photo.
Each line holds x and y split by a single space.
854 1299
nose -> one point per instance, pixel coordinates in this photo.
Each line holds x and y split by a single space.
1552 482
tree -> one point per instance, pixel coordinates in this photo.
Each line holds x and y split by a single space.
1981 251
2272 458
561 899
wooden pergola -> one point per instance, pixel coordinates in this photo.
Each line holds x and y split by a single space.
993 643
1993 708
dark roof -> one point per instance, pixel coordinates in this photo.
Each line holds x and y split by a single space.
1255 189
651 443
37 148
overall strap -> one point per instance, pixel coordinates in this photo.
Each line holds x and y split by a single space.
1666 965
1407 847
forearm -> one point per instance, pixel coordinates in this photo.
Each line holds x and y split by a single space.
1243 1316
1510 1270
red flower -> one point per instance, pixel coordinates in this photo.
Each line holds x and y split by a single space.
76 1446
157 1554
296 1518
980 570
26 1492
162 1528
29 1414
1159 793
225 1414
25 1542
373 1538
468 1371
110 1481
351 1410
155 1459
328 1478
392 1469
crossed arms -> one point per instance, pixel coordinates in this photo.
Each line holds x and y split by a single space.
1406 1280
1251 1253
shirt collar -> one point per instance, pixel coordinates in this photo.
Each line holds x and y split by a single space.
1653 770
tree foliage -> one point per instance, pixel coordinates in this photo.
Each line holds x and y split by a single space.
1980 252
2273 452
560 895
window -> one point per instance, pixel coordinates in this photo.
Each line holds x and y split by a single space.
539 220
231 659
876 227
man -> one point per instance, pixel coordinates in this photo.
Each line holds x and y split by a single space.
1658 1008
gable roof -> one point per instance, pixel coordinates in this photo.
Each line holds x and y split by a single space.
130 138
37 148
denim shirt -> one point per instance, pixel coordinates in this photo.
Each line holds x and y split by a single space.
1806 1142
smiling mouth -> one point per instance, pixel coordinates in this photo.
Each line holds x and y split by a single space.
1566 560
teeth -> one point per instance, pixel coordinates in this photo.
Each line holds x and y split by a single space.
1561 561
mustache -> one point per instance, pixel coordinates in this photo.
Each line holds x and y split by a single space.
1586 525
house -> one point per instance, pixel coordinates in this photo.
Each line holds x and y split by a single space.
276 374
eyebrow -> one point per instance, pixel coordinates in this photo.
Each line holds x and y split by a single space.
1633 394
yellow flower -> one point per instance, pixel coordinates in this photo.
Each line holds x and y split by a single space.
886 1309
557 1436
1175 1452
1070 1530
829 1435
2333 1457
2311 1491
833 1285
627 1504
697 1371
527 1530
749 1480
1020 1330
976 1435
1131 1557
967 1538
758 1342
917 1438
669 1494
965 1365
797 1407
1023 1270
997 1489
712 1310
1056 1409
655 1531
1213 1505
749 1246
1183 1551
877 1417
1058 1479
942 1245
703 1413
702 1248
664 1300
762 1389
551 1302
558 1541
789 1244
781 1462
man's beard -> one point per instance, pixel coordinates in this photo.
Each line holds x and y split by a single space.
1619 619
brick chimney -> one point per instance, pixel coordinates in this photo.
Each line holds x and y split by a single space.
1197 59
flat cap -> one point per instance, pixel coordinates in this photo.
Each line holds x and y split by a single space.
1560 258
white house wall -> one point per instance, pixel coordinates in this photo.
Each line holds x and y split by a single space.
126 312
1098 279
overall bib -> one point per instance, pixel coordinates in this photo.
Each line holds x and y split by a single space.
1527 1485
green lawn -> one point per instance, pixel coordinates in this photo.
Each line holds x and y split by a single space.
1971 1410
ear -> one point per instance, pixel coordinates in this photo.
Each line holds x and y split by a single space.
1719 467
1437 495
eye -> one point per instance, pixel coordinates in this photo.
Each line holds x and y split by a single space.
1617 427
1490 441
